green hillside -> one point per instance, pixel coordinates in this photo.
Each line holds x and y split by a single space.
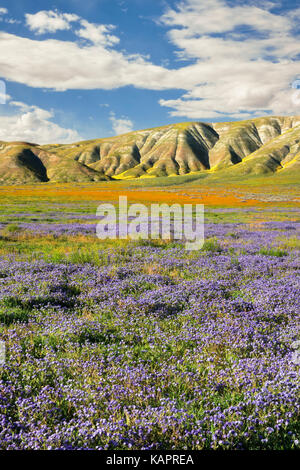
262 146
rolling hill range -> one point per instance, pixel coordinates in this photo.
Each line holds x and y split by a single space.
260 146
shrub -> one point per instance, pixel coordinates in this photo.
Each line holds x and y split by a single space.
213 245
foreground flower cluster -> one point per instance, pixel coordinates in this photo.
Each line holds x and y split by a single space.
159 349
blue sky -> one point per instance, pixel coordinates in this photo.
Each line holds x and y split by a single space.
89 69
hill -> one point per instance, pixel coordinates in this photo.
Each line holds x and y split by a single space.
260 146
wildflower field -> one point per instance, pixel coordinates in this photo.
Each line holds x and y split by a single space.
144 345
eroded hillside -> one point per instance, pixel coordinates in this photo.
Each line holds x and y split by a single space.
258 146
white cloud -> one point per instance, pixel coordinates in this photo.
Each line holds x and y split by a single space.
121 125
52 21
4 11
33 124
216 16
97 33
66 65
3 95
49 21
63 65
245 70
12 21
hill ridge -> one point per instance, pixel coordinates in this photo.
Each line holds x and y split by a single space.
257 146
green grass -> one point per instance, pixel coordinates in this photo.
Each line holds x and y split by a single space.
273 251
15 314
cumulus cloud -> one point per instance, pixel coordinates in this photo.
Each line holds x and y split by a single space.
246 58
239 89
120 125
63 65
33 124
90 64
49 21
97 33
217 16
241 58
3 11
